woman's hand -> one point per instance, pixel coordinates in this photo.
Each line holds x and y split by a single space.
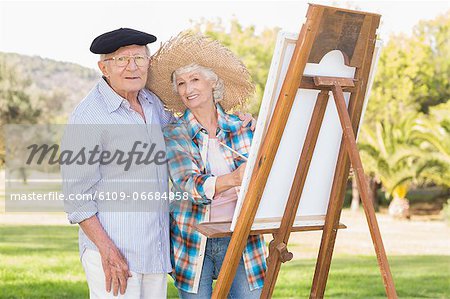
238 174
230 180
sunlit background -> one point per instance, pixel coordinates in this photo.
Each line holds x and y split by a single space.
46 69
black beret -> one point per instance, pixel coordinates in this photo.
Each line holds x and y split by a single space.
111 41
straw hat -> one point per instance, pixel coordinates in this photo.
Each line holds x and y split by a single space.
188 48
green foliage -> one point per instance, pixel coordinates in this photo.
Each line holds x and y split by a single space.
390 154
405 137
36 90
431 38
16 106
413 72
255 50
432 132
413 149
55 87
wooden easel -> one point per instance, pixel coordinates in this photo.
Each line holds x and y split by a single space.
326 29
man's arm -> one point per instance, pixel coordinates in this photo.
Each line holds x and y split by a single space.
81 179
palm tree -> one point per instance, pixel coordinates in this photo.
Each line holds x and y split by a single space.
391 153
434 134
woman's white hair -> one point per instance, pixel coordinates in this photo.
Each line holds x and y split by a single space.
218 87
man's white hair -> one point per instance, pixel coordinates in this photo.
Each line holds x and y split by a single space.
218 87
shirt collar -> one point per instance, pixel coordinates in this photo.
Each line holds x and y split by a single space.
113 100
194 126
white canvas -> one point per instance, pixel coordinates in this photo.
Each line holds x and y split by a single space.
316 192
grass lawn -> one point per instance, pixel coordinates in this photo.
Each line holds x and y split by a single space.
42 262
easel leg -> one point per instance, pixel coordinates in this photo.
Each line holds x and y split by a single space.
330 228
350 141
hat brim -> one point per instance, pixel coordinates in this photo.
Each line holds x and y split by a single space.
188 48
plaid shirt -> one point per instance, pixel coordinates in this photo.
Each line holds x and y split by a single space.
185 140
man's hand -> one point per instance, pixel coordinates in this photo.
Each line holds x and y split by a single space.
114 264
246 119
115 268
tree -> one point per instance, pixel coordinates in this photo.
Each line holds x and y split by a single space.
412 77
431 81
16 105
391 155
413 71
433 132
393 85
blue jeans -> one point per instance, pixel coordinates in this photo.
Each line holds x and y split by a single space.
214 255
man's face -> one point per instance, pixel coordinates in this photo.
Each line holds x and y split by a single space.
129 78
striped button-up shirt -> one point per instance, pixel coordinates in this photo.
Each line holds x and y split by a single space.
185 142
137 226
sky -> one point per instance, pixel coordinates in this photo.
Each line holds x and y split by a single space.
64 30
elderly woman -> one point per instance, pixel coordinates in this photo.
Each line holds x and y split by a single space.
206 150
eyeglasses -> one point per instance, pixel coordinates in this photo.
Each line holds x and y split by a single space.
122 61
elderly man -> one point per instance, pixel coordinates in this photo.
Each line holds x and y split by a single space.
122 249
